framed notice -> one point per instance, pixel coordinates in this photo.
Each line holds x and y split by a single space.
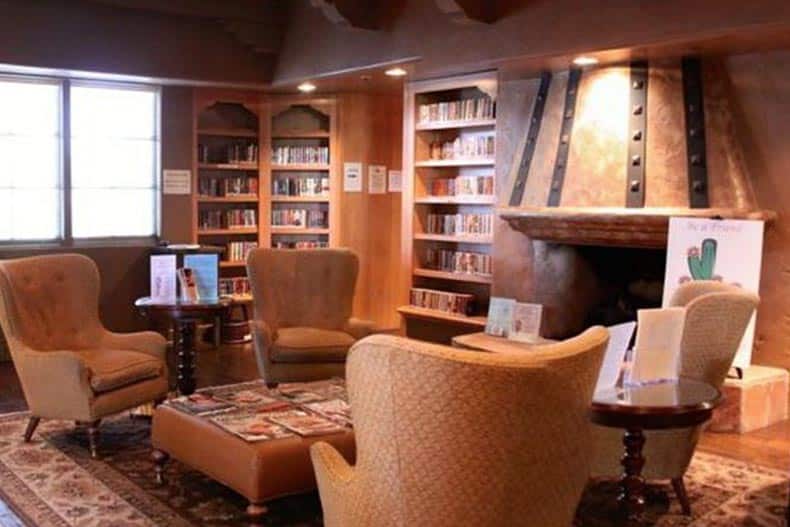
352 177
395 181
176 182
730 251
377 179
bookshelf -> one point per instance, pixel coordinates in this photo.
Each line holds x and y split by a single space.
448 201
303 187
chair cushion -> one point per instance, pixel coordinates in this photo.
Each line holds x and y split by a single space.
310 345
113 369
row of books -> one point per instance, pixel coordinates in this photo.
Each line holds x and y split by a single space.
235 286
304 244
458 261
463 186
457 224
463 110
301 186
284 155
230 186
453 303
303 218
470 147
234 153
227 219
238 251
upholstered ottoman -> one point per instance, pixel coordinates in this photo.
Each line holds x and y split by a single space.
259 471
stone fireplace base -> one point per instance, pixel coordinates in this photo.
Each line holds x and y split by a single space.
756 401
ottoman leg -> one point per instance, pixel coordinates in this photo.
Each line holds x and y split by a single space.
256 512
160 460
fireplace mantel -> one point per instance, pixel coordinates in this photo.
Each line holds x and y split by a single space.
612 226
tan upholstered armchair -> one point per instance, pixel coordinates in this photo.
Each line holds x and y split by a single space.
69 365
302 327
463 438
717 315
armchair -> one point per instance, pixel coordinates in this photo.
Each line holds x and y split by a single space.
716 317
302 327
69 365
463 438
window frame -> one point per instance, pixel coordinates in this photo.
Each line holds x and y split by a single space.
65 237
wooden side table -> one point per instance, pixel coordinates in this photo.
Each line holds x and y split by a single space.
185 316
481 341
679 404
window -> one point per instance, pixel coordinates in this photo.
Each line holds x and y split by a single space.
112 155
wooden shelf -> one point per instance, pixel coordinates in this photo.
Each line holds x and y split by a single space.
457 277
448 125
449 163
301 167
252 198
228 132
301 135
228 166
452 238
441 316
299 199
297 230
232 264
220 232
239 299
456 200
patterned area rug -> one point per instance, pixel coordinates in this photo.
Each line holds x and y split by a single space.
53 482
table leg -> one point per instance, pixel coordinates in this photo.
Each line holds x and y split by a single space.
186 352
632 496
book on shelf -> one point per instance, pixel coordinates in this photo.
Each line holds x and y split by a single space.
238 251
302 244
471 147
227 186
300 218
458 261
235 153
227 219
445 301
300 186
463 186
460 224
234 286
462 110
300 154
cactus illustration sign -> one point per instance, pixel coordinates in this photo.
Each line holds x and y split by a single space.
730 251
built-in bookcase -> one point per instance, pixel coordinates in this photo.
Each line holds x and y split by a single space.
303 184
230 172
449 195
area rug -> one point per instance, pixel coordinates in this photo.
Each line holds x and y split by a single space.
53 482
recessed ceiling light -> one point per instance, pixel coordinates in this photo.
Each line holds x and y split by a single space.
306 87
585 61
395 72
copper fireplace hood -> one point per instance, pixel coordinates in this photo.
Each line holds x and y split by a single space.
612 153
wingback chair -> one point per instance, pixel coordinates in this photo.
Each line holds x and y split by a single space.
302 327
69 365
717 315
463 438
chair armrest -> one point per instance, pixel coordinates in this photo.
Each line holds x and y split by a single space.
359 328
148 342
56 383
262 333
331 468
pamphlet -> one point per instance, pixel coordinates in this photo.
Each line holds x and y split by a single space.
199 403
305 424
205 268
527 319
163 277
619 339
657 349
189 291
500 316
251 426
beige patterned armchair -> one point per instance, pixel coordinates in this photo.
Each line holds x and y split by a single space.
717 315
302 328
69 365
463 438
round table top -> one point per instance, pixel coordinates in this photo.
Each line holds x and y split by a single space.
673 404
208 304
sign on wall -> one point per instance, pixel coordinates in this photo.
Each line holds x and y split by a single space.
727 250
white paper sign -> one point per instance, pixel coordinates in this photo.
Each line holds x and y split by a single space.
163 277
657 347
619 338
176 182
352 177
395 181
377 179
726 250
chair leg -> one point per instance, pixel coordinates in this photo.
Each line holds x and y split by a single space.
93 438
160 460
31 427
255 513
680 492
